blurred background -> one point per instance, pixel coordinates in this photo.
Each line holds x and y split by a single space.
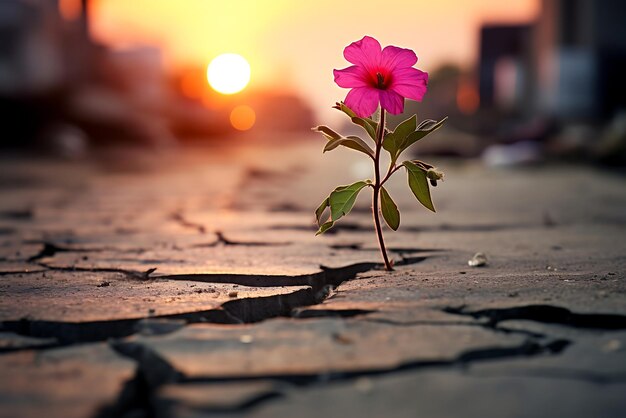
523 81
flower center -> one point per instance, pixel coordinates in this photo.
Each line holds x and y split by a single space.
380 81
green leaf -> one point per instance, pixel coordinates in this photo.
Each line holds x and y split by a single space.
353 142
324 227
427 122
345 109
391 214
419 184
327 132
426 127
426 166
342 199
320 211
335 139
394 140
368 124
406 134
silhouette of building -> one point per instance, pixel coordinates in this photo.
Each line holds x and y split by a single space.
569 63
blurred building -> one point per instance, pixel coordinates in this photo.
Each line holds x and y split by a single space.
505 66
62 91
569 64
36 47
39 50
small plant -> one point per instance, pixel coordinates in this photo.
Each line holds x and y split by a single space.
385 77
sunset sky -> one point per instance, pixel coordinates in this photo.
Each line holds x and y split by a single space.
294 45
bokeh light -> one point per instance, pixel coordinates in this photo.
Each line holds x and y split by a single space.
242 117
467 98
70 9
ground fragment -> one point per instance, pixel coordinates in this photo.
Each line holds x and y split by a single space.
194 287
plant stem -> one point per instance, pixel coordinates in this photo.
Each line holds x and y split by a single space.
392 169
377 185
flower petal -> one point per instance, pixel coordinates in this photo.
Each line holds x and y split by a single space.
353 76
363 101
393 57
410 92
365 52
409 76
391 101
410 83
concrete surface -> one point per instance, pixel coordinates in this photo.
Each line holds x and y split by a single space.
191 285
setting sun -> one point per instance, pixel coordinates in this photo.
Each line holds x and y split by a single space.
228 73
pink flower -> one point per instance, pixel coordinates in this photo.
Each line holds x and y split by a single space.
386 77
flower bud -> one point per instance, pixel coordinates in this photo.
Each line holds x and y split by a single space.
433 174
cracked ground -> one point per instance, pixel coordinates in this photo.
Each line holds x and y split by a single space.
192 285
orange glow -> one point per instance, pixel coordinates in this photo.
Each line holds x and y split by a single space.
282 40
192 85
208 101
467 98
242 117
70 9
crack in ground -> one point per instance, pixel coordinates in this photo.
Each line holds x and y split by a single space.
503 330
222 240
134 274
329 313
327 276
558 373
136 397
547 314
137 394
185 223
51 249
153 372
237 311
41 346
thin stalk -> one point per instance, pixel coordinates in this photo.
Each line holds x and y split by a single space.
377 185
392 169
